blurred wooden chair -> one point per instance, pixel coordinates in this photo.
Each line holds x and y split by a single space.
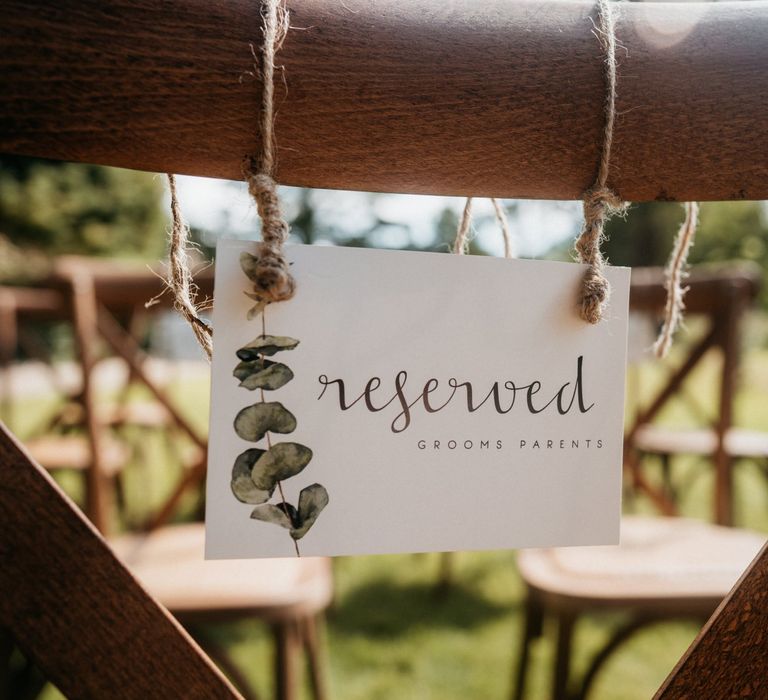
664 568
721 297
16 302
58 444
102 300
288 594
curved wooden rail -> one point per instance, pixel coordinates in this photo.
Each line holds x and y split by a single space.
493 98
728 657
75 609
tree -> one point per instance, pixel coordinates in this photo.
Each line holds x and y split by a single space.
71 208
727 231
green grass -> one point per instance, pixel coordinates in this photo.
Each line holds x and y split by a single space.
393 636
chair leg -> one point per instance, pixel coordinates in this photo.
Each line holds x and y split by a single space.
311 629
286 649
666 476
621 635
723 488
563 656
534 617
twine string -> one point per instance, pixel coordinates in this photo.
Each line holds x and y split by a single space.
271 276
501 218
676 273
600 201
179 278
461 242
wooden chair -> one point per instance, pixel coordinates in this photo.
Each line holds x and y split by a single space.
721 297
59 443
102 301
99 298
288 594
664 568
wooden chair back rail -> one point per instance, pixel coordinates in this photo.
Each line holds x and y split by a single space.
427 75
76 610
706 287
729 657
721 296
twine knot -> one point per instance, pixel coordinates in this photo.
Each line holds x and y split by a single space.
595 292
267 268
600 203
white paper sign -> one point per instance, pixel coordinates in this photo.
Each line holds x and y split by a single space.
447 403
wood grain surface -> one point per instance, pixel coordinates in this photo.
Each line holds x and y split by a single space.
76 610
729 657
497 98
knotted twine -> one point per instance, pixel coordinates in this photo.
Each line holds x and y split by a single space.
600 201
270 275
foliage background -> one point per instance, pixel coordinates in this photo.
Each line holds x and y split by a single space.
50 208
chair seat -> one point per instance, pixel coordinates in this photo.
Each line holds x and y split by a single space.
169 562
662 565
738 442
54 452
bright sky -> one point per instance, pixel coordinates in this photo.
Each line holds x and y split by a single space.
224 207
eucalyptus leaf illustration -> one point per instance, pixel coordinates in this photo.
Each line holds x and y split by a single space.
266 345
263 374
312 500
283 514
257 473
253 422
257 308
249 264
243 487
281 461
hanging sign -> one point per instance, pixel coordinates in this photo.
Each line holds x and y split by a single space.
411 402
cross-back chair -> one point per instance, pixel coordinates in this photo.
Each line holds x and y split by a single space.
664 568
100 301
720 297
289 595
